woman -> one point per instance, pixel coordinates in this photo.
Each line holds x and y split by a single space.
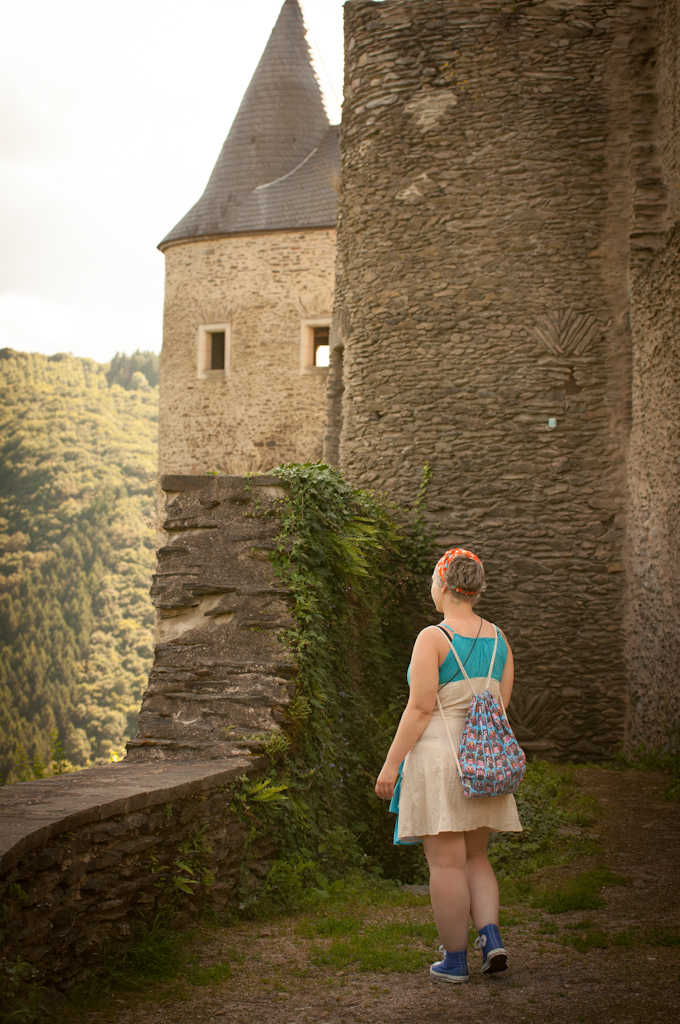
428 797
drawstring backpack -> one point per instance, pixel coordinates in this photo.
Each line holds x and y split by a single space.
491 760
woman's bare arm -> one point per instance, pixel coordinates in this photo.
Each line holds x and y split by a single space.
508 677
424 685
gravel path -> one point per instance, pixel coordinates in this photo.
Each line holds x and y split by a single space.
275 983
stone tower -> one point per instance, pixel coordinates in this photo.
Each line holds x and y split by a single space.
508 304
250 277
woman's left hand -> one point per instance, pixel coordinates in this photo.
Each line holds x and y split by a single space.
386 782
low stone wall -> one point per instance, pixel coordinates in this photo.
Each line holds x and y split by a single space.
80 856
85 856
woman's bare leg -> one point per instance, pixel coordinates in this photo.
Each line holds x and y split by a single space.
446 857
481 880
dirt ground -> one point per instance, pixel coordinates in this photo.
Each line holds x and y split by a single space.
275 983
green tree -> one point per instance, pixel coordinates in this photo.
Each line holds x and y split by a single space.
77 466
125 370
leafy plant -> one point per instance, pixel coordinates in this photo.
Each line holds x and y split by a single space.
20 998
347 564
185 872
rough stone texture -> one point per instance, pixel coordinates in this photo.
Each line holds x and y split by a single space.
654 470
221 677
79 856
265 411
654 480
497 180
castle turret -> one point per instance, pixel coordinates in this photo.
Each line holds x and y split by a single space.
249 279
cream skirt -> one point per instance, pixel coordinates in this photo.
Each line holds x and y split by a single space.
431 798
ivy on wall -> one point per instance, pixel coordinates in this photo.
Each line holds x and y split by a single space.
350 568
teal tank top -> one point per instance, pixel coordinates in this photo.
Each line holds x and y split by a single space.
478 659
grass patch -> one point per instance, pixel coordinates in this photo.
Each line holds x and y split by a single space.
548 799
583 936
154 955
663 937
625 939
397 946
581 893
328 927
657 760
157 955
589 938
355 893
214 974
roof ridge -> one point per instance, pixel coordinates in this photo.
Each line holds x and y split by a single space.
284 176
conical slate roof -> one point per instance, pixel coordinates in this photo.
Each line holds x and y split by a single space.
280 138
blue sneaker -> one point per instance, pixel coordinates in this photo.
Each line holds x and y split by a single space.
452 968
494 954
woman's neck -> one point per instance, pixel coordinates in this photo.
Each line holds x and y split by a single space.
459 613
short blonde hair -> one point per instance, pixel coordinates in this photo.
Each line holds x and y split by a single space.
463 574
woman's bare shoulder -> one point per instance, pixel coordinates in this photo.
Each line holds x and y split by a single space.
502 633
431 634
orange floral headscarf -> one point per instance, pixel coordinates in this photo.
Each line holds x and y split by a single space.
443 564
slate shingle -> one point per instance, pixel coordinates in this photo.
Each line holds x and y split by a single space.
280 162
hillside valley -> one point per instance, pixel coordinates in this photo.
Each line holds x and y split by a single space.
77 461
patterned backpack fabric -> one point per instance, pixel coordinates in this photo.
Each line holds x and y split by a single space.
491 761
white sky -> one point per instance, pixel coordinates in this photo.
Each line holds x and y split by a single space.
113 116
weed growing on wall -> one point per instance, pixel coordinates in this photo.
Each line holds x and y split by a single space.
348 565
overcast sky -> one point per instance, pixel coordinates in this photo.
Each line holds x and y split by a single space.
113 116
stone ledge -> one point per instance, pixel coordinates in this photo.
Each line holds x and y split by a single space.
32 813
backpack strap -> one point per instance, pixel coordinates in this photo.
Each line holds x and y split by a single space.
448 733
493 656
455 653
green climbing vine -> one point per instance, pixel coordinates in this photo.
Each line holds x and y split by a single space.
349 566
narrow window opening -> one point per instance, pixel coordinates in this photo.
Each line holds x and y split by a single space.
322 348
217 342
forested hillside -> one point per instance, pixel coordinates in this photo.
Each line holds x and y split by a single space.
77 463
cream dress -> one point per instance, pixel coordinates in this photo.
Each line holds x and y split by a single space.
430 797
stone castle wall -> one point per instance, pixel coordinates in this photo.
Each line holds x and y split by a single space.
654 469
487 222
221 677
265 411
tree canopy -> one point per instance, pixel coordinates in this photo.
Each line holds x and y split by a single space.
77 471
